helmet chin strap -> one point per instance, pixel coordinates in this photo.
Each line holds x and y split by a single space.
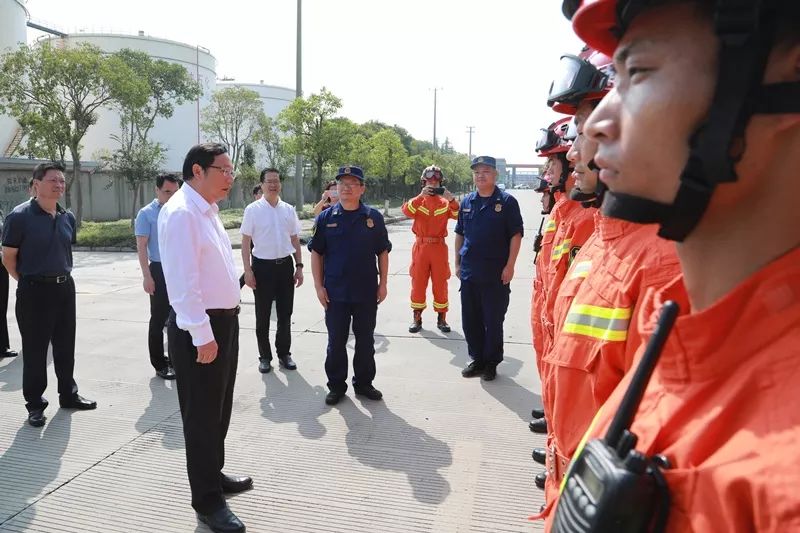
746 39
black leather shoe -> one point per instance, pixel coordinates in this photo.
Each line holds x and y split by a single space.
473 369
234 484
334 397
490 373
222 521
8 353
537 413
166 373
539 455
36 417
76 401
264 366
540 479
287 362
370 392
538 425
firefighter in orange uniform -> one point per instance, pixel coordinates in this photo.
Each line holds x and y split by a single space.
721 405
431 210
594 336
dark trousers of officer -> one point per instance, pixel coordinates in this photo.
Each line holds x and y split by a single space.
46 314
483 310
4 342
274 283
159 312
205 396
337 320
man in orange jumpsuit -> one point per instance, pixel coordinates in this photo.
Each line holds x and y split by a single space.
431 210
721 405
575 225
594 336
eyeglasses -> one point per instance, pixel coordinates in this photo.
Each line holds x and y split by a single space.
226 171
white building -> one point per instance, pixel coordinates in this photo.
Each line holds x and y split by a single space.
13 33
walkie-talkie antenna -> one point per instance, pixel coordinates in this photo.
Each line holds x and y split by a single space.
641 377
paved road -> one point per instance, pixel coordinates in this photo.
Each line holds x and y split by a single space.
440 454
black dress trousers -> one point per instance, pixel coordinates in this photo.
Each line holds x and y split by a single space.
205 395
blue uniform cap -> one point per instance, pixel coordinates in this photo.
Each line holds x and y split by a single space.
484 160
356 172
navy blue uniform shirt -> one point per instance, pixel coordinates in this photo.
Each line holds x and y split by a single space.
349 242
487 225
44 242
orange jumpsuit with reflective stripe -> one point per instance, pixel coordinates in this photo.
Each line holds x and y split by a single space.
429 257
722 405
575 229
595 338
539 280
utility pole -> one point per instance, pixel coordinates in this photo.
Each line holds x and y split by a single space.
298 161
470 130
435 90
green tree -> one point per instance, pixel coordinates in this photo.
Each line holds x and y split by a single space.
387 156
144 89
314 131
233 118
65 87
269 138
247 175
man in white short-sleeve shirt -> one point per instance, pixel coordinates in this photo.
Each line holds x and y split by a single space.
274 229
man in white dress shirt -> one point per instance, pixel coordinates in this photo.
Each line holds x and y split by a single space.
274 229
203 332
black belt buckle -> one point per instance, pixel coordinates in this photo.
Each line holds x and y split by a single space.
61 279
280 261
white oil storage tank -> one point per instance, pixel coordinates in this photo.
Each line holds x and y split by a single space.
13 33
177 133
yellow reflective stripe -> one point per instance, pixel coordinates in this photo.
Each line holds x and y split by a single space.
437 305
454 213
441 211
580 270
550 226
415 305
610 313
424 209
561 250
604 323
579 449
597 333
411 207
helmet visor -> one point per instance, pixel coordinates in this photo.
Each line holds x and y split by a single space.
431 173
547 139
575 79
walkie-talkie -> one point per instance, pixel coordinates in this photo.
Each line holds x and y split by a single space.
611 486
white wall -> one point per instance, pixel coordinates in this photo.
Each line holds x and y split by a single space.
13 32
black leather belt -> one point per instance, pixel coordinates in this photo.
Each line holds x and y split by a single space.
47 279
272 261
223 312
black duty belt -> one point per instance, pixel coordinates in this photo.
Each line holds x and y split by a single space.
272 261
223 312
47 279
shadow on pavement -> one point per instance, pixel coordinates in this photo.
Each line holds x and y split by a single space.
384 441
163 405
32 463
280 403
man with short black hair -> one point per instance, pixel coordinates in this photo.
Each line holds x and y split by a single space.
146 231
37 251
273 228
203 328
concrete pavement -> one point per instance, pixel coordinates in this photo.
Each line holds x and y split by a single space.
440 454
